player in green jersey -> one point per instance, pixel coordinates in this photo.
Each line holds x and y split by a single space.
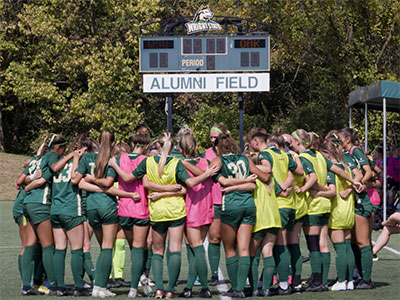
363 209
238 209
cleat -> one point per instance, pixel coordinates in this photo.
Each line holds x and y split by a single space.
205 293
314 287
169 295
350 285
365 285
238 294
112 284
228 293
122 283
62 291
82 293
305 259
159 294
145 283
297 288
42 288
87 285
288 291
339 286
375 257
30 292
187 293
214 280
133 293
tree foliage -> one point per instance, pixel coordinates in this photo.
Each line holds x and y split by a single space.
72 67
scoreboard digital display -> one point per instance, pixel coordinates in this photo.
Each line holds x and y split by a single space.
204 54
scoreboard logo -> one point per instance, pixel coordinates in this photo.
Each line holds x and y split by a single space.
202 21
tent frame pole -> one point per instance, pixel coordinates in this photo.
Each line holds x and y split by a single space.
366 128
384 162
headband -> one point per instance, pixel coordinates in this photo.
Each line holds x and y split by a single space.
315 134
140 145
216 129
295 135
51 140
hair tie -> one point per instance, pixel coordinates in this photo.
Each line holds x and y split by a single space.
140 145
315 134
51 140
295 135
216 129
336 136
253 153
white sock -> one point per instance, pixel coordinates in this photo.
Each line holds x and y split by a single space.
283 285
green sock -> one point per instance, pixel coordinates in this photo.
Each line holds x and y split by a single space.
253 272
295 259
242 272
232 268
20 265
341 261
281 254
214 254
38 268
26 264
77 267
174 268
103 267
268 272
167 253
357 258
350 259
315 262
88 265
47 256
59 266
326 262
118 258
366 262
157 268
136 265
201 265
192 267
149 256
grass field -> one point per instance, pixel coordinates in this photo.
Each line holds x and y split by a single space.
386 271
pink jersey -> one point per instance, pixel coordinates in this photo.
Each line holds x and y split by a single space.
216 188
199 202
374 196
126 206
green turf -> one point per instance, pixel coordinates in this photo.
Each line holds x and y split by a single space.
386 272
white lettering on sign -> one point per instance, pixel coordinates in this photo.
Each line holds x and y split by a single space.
183 83
192 62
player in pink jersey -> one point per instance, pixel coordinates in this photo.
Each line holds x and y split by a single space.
214 235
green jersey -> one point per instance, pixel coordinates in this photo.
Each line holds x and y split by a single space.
235 166
176 153
65 195
307 165
264 155
181 173
41 194
86 165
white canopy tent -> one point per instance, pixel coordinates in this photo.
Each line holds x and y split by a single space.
382 95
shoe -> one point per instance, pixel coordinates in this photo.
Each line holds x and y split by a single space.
62 291
53 291
273 291
255 294
238 294
31 292
350 285
265 293
144 281
87 285
288 291
297 289
159 294
339 286
214 280
169 295
102 292
122 283
314 287
205 293
82 293
375 257
305 259
112 284
365 285
42 288
325 287
109 293
228 293
187 293
133 293
197 282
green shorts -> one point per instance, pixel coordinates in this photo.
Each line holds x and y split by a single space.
37 212
102 216
18 218
363 205
317 220
288 217
235 217
66 222
301 220
128 222
162 227
217 211
263 232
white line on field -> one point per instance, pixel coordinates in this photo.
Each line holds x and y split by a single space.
223 287
390 249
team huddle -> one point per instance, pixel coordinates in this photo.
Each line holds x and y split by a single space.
156 194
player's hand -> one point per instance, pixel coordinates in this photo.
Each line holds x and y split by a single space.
358 186
135 196
175 188
211 171
154 196
344 193
38 174
298 190
251 178
112 162
89 178
227 189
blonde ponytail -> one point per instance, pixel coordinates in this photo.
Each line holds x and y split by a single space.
106 145
166 143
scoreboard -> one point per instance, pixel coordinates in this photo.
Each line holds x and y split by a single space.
204 54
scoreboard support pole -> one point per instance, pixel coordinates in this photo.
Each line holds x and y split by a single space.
241 121
168 104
